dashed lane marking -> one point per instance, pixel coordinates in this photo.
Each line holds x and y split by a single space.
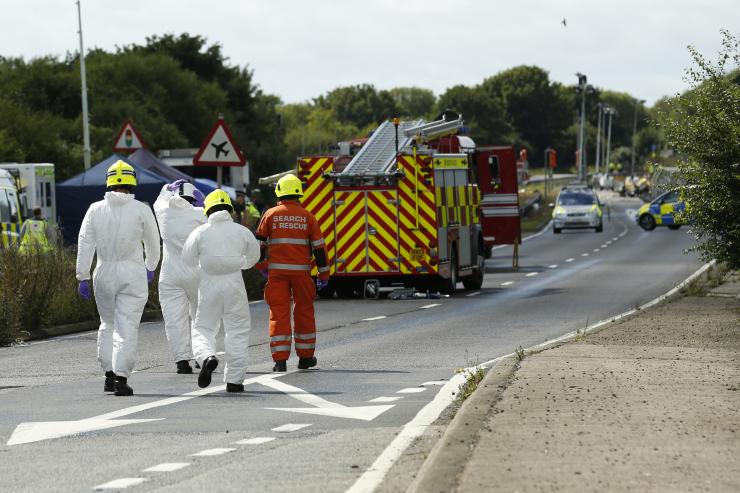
604 245
119 484
290 427
254 441
411 390
597 250
507 283
430 306
434 382
615 238
532 274
385 399
168 467
584 255
475 293
569 259
553 266
212 452
379 317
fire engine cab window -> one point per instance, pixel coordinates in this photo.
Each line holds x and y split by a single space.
493 167
12 200
4 207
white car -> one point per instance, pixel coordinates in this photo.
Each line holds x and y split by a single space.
577 208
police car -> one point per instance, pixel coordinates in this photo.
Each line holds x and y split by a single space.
661 212
577 207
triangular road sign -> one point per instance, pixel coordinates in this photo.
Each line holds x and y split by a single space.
128 139
219 148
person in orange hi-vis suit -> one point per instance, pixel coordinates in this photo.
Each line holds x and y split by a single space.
292 236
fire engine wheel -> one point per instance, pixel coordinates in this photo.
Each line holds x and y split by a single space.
345 291
448 286
488 249
475 280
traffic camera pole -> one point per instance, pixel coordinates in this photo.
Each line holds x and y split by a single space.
609 137
598 138
83 80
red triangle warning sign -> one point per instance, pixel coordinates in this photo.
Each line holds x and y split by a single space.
128 139
219 148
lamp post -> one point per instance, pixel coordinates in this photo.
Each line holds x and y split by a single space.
83 80
611 112
598 137
582 85
638 102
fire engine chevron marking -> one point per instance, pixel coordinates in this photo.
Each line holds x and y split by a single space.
322 406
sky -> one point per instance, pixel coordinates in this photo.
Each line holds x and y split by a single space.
299 49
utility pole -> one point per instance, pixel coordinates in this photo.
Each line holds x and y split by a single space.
598 137
610 111
582 84
638 102
83 80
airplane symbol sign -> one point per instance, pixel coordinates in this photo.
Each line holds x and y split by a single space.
219 148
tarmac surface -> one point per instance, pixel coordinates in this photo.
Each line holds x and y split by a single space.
650 403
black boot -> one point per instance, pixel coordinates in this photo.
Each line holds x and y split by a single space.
280 365
110 377
306 363
183 367
197 366
204 378
234 387
121 387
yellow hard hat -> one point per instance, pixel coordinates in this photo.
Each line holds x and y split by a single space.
120 173
289 185
217 197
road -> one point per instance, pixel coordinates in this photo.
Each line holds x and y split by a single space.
381 362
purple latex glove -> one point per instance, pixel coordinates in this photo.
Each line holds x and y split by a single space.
199 198
83 289
175 185
264 273
149 276
321 284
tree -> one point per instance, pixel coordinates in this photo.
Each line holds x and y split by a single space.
483 114
413 102
360 105
703 125
538 110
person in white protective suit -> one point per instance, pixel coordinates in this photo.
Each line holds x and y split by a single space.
222 248
179 210
114 229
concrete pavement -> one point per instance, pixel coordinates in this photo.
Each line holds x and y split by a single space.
650 403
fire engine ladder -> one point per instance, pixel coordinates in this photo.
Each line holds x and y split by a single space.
378 153
435 129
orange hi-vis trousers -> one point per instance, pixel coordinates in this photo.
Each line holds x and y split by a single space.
281 287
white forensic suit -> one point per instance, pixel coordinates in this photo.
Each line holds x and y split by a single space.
178 283
223 248
115 228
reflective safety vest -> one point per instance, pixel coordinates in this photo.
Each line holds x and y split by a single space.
33 237
292 234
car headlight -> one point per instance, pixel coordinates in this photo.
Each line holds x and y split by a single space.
558 212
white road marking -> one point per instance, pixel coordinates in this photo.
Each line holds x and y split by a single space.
615 239
474 293
45 430
552 266
291 427
118 484
507 283
608 242
370 479
168 467
434 382
532 274
569 259
597 250
385 399
584 255
411 390
255 441
604 245
212 452
622 234
534 235
380 317
220 353
322 406
430 306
